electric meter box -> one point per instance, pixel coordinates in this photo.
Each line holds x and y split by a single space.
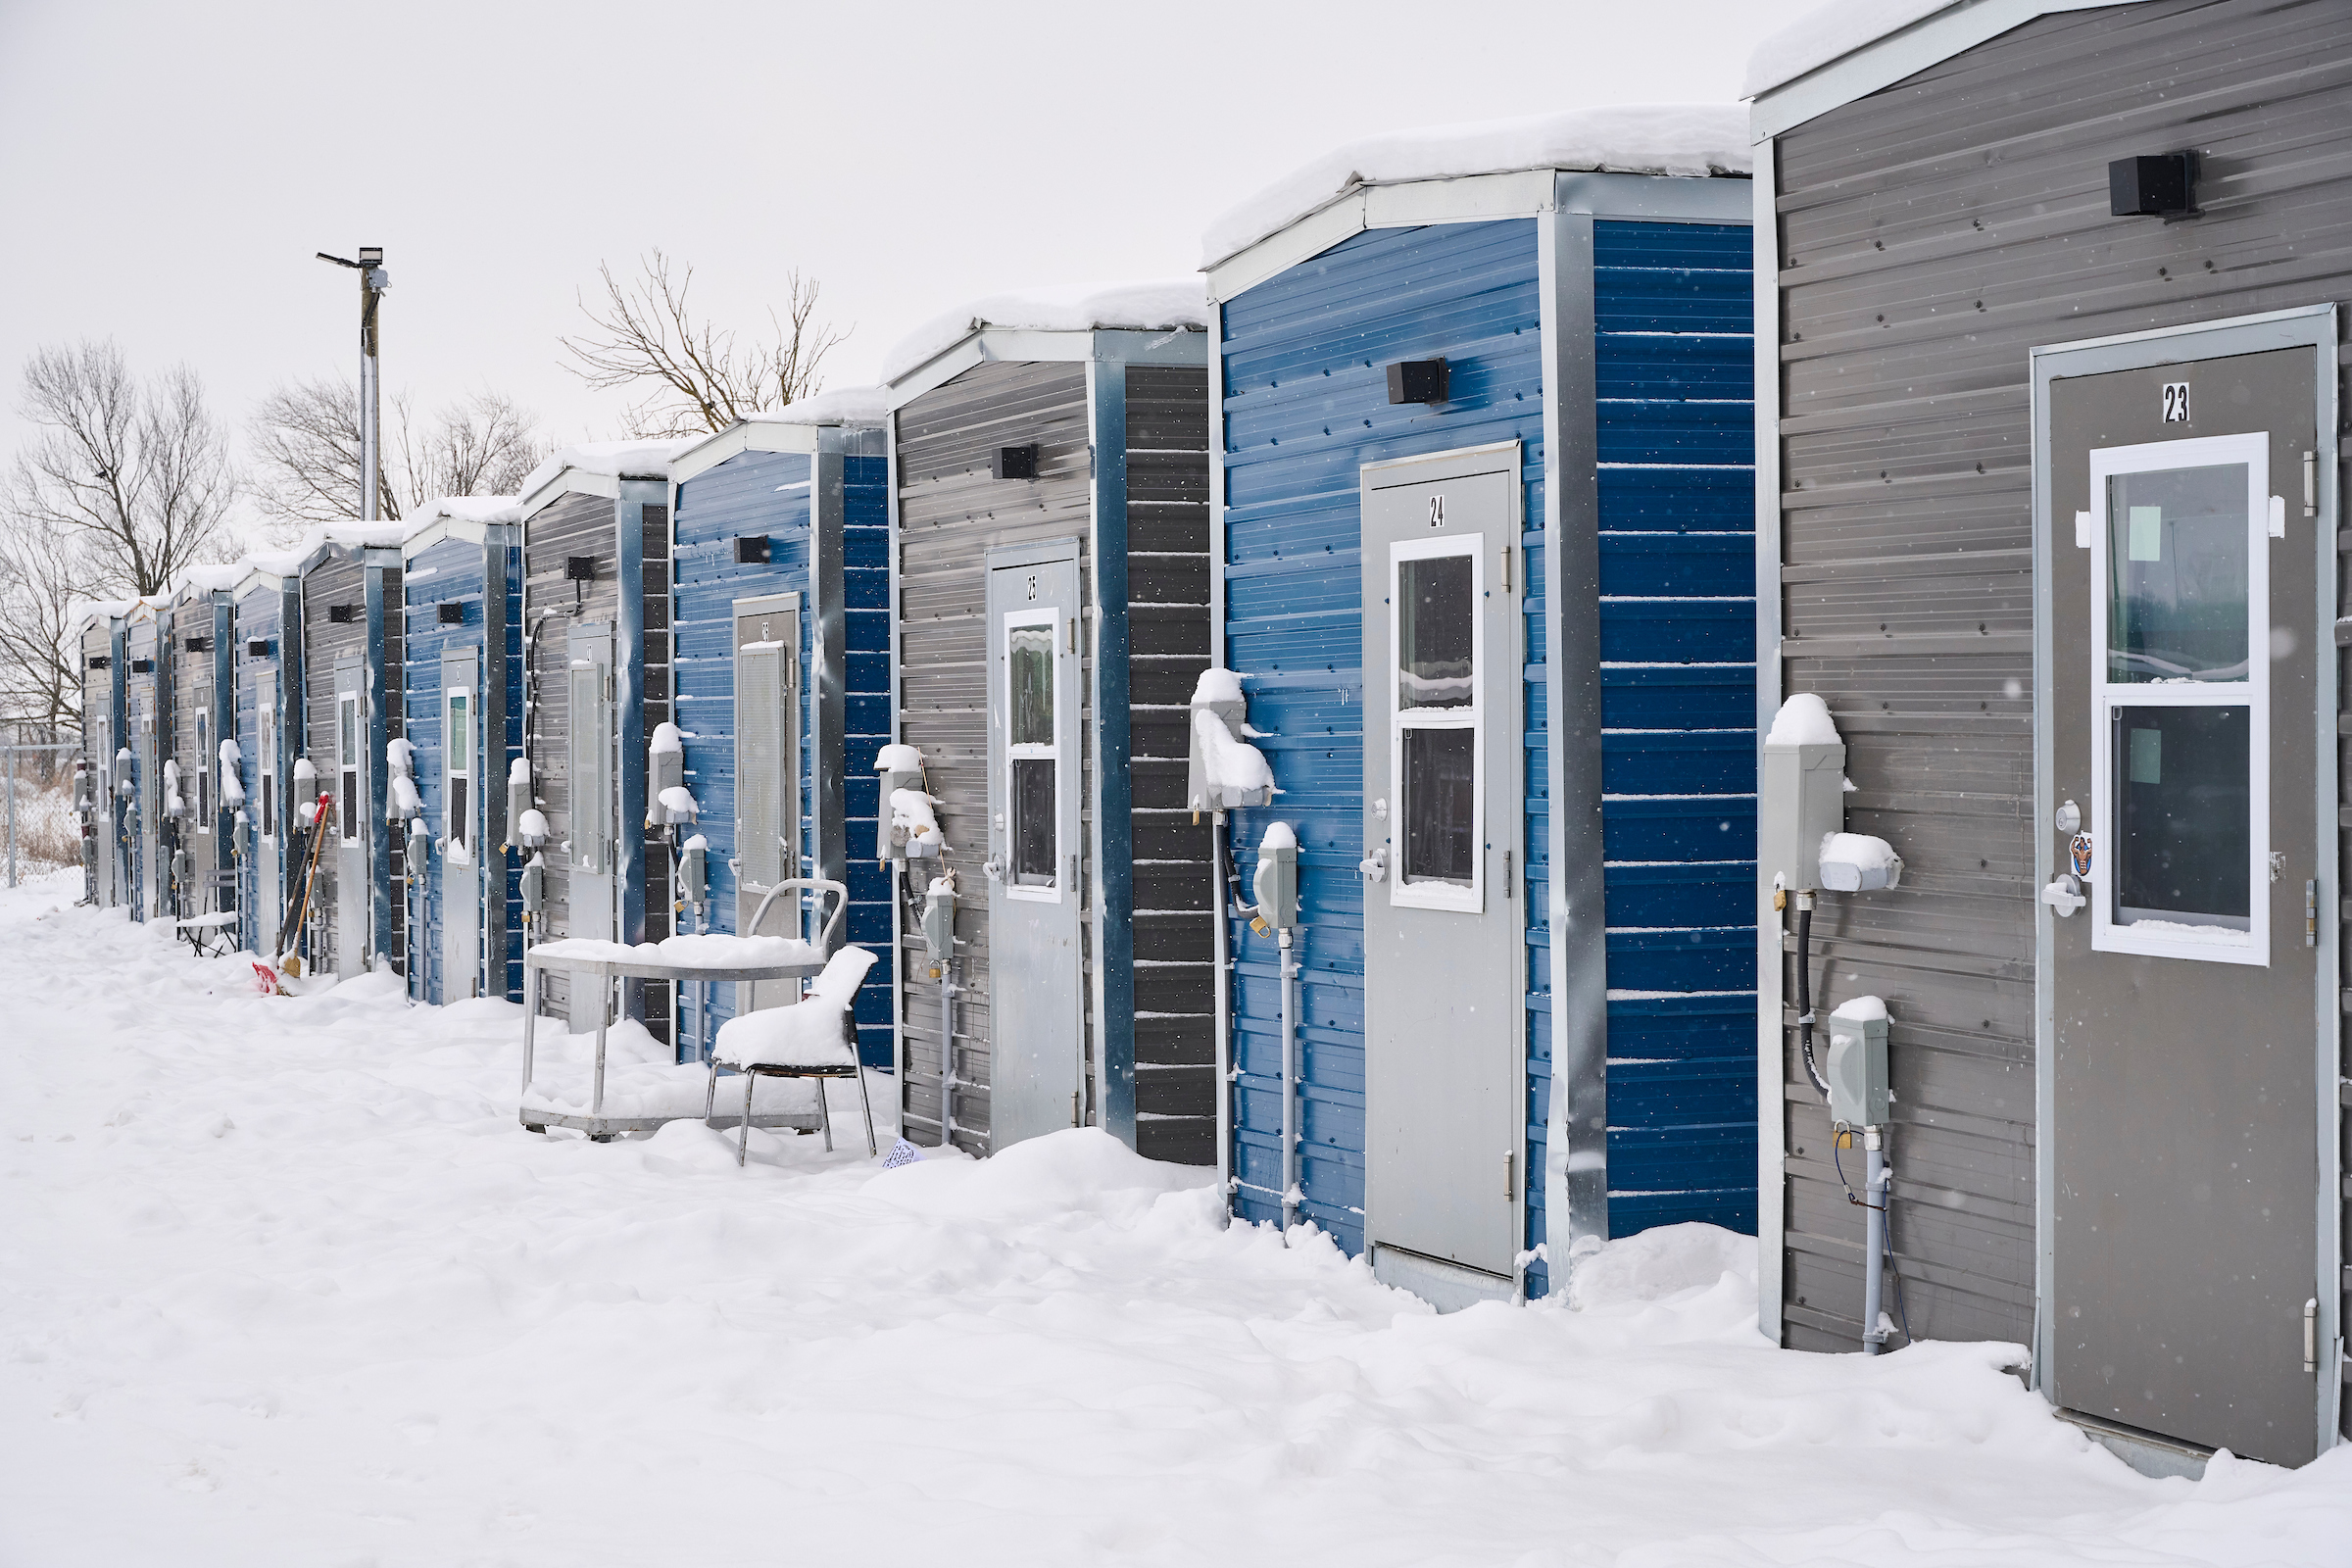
1802 800
939 925
900 766
1857 1070
664 772
1276 883
1218 696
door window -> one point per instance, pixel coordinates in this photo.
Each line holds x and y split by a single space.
266 736
456 740
347 757
204 770
2180 699
1437 721
1032 644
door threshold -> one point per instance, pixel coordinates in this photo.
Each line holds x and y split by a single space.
1447 1287
2148 1453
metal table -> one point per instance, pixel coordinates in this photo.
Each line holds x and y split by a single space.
601 972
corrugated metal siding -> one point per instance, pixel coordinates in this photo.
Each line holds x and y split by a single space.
576 525
1167 598
333 581
865 724
951 513
450 571
99 744
1675 414
259 614
764 493
1931 234
139 692
1305 406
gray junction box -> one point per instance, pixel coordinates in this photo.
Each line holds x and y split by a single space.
1802 800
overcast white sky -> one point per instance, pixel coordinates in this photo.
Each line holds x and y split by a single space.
169 170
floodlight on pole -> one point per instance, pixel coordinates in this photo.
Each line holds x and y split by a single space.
374 281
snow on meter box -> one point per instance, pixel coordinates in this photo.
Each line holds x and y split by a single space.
1049 540
1486 555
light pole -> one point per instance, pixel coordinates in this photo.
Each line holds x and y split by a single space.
374 281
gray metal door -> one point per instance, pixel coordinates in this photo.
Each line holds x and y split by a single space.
461 813
352 817
1444 1077
593 893
768 775
1036 973
2184 652
151 881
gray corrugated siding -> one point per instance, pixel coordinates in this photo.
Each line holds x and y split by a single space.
655 531
1930 235
325 641
951 513
576 525
1167 595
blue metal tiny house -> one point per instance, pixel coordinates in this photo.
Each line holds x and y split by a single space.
596 685
1048 486
793 505
99 641
461 665
143 685
202 615
1595 330
268 664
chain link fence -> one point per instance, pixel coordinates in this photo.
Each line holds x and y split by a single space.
43 820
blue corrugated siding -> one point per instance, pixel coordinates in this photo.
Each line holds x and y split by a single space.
767 492
257 616
1305 406
449 572
1673 362
865 599
509 752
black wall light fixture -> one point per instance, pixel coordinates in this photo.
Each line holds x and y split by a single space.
450 612
342 614
1417 381
752 549
102 662
256 648
2162 186
142 666
580 569
199 644
1018 462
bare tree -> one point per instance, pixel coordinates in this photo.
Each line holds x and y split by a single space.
696 377
306 435
42 572
139 474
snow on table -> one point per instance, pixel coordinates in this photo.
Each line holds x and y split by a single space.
280 1284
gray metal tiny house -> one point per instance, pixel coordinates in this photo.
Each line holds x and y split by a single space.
596 684
2114 962
1049 507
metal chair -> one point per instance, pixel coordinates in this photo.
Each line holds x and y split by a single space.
816 1037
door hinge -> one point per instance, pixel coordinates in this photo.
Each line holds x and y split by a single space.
1510 1187
1507 874
1075 1121
2311 1336
2311 914
1506 569
2311 484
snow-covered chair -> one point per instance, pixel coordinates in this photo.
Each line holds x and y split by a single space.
816 1037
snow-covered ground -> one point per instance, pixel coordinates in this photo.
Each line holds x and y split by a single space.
281 1280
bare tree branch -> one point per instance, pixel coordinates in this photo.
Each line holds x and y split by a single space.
42 572
694 376
139 474
307 434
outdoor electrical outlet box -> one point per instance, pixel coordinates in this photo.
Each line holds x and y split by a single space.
519 801
1417 381
666 770
939 926
694 874
1857 1070
1276 885
887 845
1018 462
419 840
1199 792
752 549
1802 801
534 886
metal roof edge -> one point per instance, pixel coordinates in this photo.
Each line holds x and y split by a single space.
1904 53
983 345
570 481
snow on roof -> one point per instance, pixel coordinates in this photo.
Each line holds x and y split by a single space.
349 535
1830 33
80 612
484 509
1153 305
1628 140
211 578
614 459
850 405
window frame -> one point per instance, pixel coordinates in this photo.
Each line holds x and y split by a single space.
1054 619
349 770
265 770
2253 945
1434 895
203 770
456 812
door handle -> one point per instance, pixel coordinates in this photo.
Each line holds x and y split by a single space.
989 869
2064 894
1373 867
